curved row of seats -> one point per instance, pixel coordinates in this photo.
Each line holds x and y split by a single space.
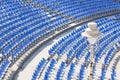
108 26
60 71
3 68
21 25
105 47
78 9
112 70
108 40
15 31
63 42
113 74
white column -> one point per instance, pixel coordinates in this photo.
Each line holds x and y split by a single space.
92 34
91 61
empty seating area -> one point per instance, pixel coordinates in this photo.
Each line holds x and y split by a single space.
78 8
3 67
28 25
23 27
76 53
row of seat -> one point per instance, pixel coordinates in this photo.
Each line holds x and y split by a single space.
60 71
70 8
111 31
113 75
113 70
78 9
106 41
64 45
39 68
49 69
3 68
21 25
109 55
110 38
71 71
82 72
24 26
63 41
75 47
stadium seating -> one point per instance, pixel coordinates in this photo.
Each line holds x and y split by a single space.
60 71
39 69
24 23
3 67
79 43
21 32
78 9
